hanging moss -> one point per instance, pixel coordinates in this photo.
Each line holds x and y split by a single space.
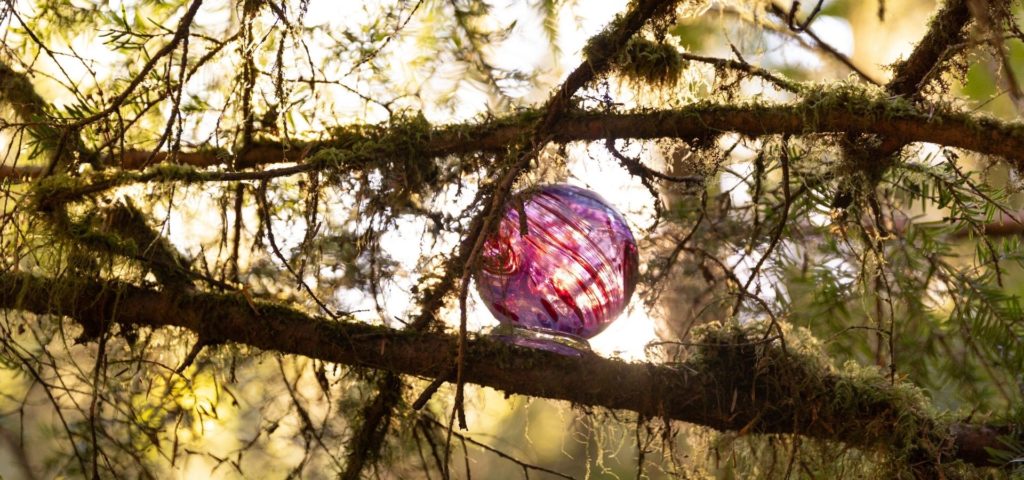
395 151
801 387
648 63
87 232
170 172
52 186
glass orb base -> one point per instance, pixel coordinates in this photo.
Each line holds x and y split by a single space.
542 339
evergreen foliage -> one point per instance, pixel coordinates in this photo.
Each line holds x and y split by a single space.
238 238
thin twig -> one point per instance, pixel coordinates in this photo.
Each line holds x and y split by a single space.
431 421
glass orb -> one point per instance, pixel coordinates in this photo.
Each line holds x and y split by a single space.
567 277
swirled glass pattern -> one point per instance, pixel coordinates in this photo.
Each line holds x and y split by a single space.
569 268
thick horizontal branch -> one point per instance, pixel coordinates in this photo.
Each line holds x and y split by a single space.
734 384
840 110
837 110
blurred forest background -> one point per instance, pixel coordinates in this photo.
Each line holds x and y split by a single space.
238 237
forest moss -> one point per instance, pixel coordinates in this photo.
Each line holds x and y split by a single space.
799 381
858 100
51 186
16 90
395 151
875 104
172 172
644 62
603 44
88 232
328 158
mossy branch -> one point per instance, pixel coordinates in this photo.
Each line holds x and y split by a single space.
838 109
735 382
944 30
18 93
169 266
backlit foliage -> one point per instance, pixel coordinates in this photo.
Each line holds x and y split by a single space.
340 158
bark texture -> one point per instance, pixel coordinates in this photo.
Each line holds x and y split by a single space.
733 384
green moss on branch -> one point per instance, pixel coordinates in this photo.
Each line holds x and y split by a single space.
737 381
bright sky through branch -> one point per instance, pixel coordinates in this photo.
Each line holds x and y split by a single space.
524 50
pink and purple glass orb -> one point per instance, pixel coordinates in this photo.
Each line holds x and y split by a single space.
567 277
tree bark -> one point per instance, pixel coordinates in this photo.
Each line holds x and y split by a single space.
830 112
734 384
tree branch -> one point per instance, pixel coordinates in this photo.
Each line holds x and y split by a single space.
601 51
367 442
168 265
943 32
744 67
17 92
781 13
732 384
830 111
179 34
839 110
